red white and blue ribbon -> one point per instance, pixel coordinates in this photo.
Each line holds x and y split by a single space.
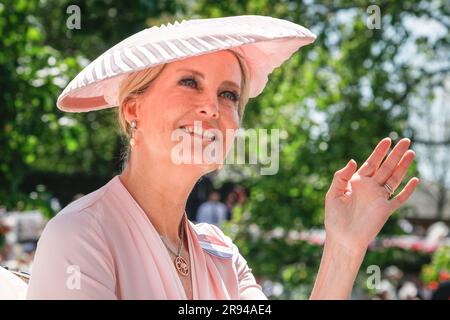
215 246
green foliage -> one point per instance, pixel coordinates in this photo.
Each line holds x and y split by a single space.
39 55
439 268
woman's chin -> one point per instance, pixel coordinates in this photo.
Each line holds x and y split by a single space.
204 168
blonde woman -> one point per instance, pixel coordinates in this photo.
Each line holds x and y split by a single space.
131 238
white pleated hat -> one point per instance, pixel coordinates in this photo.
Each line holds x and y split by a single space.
264 42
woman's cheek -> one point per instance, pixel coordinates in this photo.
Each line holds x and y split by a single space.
229 135
232 116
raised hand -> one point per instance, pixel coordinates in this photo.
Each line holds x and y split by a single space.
358 203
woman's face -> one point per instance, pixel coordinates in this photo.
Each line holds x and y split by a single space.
188 110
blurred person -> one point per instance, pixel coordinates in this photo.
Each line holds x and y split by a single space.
242 195
230 202
212 211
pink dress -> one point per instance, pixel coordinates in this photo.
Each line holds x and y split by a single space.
103 246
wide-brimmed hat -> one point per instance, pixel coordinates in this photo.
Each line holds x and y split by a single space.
264 42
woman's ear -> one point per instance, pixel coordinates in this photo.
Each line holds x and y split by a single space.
130 109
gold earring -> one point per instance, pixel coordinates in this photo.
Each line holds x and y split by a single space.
133 130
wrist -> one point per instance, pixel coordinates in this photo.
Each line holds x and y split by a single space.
345 247
339 266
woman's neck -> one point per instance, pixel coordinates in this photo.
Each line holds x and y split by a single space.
161 190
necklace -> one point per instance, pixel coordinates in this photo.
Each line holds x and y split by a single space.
180 264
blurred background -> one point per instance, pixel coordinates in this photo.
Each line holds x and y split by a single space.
377 69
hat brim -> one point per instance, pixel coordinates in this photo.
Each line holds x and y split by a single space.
96 87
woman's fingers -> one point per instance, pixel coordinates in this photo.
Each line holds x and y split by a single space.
341 178
389 165
400 171
373 162
404 195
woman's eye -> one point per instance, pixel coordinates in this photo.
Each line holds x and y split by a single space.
189 81
232 96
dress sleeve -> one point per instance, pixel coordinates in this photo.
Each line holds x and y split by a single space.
72 261
249 289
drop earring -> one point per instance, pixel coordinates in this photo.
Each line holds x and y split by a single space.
133 126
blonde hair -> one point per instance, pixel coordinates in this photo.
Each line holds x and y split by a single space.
138 82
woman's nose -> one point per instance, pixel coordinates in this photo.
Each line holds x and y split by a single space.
209 108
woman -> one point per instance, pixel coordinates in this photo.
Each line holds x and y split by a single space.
131 238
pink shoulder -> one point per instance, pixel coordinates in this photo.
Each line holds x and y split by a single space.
212 231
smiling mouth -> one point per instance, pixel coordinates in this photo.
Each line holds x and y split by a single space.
199 132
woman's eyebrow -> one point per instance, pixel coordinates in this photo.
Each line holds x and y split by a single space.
226 82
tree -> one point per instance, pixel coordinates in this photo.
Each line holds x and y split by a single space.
47 153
